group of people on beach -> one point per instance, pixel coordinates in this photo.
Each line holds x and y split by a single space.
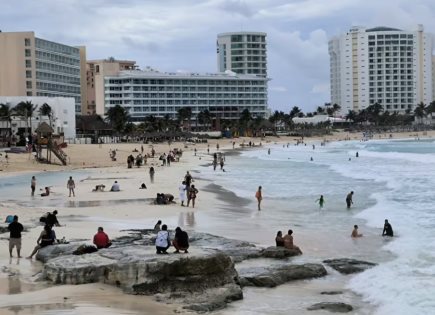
285 241
187 191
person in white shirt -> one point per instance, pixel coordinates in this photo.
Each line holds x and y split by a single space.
163 241
182 191
115 186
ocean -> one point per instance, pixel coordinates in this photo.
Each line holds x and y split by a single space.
391 180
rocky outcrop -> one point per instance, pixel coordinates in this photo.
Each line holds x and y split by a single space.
204 280
348 266
279 252
50 252
274 276
336 307
331 292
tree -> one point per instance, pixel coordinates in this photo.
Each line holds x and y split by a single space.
336 108
26 110
208 118
320 110
6 114
185 113
46 110
351 115
295 111
118 117
420 112
245 118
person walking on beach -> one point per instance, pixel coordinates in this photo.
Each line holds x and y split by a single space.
259 197
152 174
355 232
163 241
349 200
33 185
268 151
188 179
222 163
15 228
191 195
388 229
182 192
321 201
71 185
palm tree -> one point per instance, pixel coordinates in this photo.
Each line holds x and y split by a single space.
420 112
118 117
208 118
320 110
185 113
351 115
295 111
6 114
26 110
336 108
46 110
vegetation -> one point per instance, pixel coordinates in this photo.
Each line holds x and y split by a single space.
118 118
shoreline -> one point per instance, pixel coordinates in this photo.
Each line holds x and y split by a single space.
210 197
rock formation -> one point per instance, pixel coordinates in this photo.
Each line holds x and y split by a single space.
348 266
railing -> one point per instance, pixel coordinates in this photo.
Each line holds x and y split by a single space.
58 152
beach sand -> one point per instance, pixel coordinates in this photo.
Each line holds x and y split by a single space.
115 211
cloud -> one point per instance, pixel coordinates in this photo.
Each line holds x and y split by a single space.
321 88
278 88
237 7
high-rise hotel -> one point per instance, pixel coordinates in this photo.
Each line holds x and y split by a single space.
382 65
32 66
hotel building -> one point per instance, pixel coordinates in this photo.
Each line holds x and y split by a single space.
150 92
242 52
382 65
32 66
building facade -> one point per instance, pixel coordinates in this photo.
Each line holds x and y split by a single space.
96 71
242 52
63 119
225 95
381 65
32 66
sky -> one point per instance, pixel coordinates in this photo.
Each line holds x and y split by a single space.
180 35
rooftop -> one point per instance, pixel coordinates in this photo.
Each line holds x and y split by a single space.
242 33
383 29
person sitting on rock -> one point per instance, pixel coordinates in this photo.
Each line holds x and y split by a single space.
181 240
163 241
46 238
101 239
279 239
115 186
288 241
355 232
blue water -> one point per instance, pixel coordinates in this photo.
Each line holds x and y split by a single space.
392 180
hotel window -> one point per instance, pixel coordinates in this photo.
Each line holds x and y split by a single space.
28 74
29 93
28 63
27 42
27 52
29 84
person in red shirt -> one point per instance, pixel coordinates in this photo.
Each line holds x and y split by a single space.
101 240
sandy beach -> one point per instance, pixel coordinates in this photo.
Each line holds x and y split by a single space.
132 207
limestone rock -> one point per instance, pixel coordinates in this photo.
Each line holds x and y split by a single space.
331 292
348 266
49 252
279 252
336 307
274 276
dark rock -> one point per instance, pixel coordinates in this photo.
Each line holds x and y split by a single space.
336 307
348 266
331 292
273 276
279 252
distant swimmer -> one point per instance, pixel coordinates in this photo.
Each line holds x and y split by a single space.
259 197
357 154
349 200
355 232
314 147
311 159
321 201
388 229
268 151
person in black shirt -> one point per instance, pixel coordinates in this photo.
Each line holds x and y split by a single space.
181 240
388 229
52 219
15 230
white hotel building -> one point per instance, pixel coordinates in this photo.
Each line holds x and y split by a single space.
150 92
381 65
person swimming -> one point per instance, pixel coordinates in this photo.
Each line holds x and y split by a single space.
355 232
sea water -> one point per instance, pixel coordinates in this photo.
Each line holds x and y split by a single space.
392 180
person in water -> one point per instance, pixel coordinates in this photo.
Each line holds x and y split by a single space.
355 232
259 197
321 201
388 229
279 240
349 200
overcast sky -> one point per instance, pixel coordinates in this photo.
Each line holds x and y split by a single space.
171 35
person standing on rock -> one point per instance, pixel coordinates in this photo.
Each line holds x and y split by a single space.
33 185
15 228
71 185
163 241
